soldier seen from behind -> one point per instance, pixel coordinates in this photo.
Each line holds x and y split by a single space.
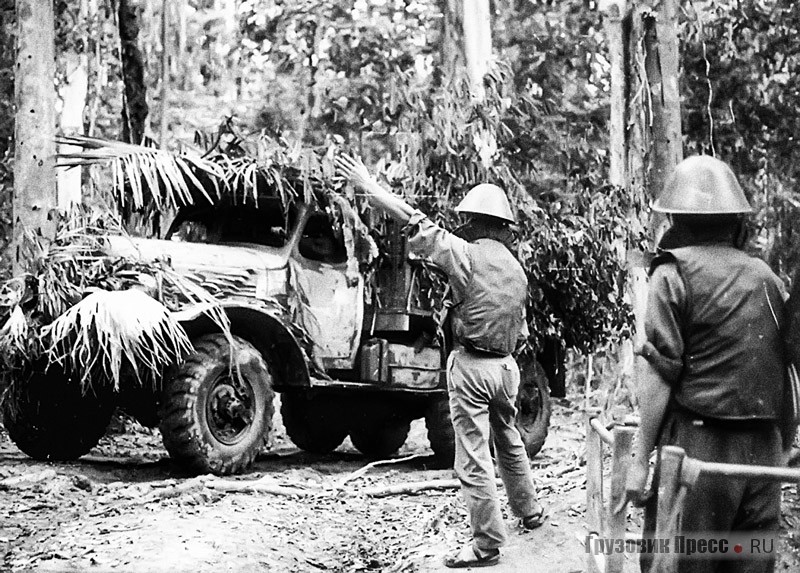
712 370
489 291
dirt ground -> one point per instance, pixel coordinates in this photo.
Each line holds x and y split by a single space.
127 508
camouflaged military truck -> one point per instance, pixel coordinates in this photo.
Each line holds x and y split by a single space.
352 348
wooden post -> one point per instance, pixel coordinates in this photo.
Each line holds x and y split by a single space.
35 194
620 460
594 479
669 483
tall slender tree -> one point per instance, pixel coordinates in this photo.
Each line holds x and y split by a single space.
661 63
134 110
477 42
73 93
451 48
35 194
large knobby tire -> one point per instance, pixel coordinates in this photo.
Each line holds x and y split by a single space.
380 440
316 425
216 417
440 431
533 404
49 418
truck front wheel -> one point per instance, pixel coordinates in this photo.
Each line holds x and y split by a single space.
217 410
49 417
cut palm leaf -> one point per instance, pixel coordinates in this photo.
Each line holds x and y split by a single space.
169 179
108 330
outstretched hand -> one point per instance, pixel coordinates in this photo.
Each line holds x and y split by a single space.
353 170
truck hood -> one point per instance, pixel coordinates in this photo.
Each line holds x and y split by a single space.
185 256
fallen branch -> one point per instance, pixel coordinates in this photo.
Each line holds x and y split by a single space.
414 487
565 470
361 471
179 489
25 480
262 485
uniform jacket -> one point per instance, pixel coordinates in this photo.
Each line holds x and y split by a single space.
718 313
489 286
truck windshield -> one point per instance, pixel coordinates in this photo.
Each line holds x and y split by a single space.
235 224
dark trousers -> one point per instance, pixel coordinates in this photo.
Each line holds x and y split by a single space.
718 504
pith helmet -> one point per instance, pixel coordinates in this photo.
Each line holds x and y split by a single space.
702 185
487 199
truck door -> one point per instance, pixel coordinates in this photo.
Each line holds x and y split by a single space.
331 292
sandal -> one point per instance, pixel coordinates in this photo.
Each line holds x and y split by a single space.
536 519
467 556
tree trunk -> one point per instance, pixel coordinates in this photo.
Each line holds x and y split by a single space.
134 110
451 45
35 193
95 81
477 43
7 41
180 51
652 122
73 93
661 65
231 74
7 35
164 120
613 23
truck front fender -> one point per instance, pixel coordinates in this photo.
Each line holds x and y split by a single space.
269 332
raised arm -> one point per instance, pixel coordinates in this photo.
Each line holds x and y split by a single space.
354 170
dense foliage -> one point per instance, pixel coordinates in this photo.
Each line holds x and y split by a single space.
742 95
372 77
379 84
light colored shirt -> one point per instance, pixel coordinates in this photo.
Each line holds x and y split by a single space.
447 251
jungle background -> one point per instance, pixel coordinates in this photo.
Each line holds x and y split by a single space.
385 79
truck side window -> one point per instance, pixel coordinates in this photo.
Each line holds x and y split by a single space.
319 242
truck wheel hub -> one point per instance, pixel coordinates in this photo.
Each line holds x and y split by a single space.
230 410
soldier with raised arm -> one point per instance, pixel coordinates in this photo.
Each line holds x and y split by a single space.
489 290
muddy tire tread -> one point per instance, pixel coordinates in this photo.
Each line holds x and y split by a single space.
181 436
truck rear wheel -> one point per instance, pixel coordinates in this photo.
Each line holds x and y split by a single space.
440 431
533 404
49 418
380 440
315 424
217 410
